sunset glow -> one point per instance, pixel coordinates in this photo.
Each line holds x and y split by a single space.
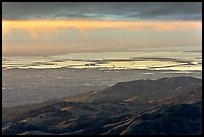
35 26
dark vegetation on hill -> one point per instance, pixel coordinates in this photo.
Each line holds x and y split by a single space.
170 106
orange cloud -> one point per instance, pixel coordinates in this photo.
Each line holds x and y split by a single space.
45 26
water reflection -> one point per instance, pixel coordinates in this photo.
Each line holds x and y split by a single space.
166 60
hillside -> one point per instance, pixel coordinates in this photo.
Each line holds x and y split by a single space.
143 90
164 106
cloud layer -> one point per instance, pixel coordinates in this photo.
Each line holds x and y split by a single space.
35 26
103 10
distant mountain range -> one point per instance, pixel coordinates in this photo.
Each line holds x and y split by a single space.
170 106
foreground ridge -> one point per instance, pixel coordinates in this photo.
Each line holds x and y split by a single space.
171 106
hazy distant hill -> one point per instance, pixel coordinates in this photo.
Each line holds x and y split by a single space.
143 90
163 106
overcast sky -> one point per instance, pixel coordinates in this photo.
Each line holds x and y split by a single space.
103 10
114 26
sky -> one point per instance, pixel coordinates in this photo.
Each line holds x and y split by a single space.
52 28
